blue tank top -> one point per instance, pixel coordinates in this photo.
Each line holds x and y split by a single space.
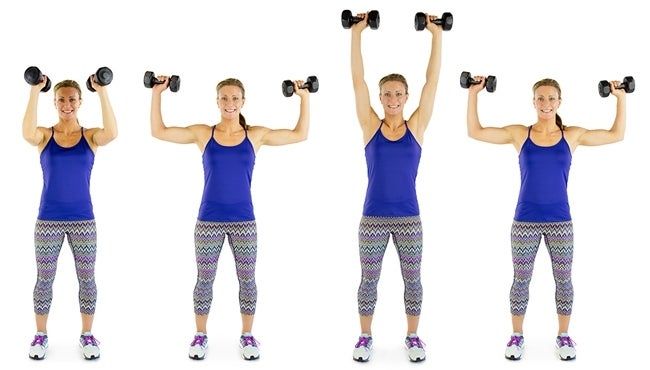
544 176
66 181
392 170
228 171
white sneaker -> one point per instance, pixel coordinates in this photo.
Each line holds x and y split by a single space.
363 348
89 346
38 348
515 348
415 348
199 346
565 347
248 347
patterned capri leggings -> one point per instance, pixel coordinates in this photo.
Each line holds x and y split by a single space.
526 237
374 233
208 240
48 240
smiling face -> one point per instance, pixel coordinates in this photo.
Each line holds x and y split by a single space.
393 96
230 100
67 101
546 100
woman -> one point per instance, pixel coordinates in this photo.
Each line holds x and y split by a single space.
67 152
228 149
545 151
393 148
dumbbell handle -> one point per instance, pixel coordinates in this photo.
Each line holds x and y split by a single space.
156 81
472 81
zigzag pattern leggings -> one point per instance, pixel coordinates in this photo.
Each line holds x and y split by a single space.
48 240
374 233
208 240
526 237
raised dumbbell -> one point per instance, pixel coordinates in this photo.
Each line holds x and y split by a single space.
33 76
446 21
628 85
311 84
466 80
150 80
103 77
347 19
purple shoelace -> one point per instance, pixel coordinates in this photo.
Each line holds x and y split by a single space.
565 341
415 342
198 339
515 340
39 339
89 340
363 342
248 340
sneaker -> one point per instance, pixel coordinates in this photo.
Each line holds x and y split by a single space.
89 346
565 347
363 348
248 347
515 348
199 346
38 348
415 348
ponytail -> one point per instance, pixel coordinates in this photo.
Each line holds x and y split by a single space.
242 121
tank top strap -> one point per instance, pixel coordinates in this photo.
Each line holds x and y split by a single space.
212 133
406 123
529 128
246 132
562 131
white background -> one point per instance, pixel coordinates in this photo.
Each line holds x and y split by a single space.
308 197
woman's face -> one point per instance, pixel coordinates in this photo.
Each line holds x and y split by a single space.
546 101
230 101
393 96
67 102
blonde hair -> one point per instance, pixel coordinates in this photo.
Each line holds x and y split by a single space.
394 77
67 83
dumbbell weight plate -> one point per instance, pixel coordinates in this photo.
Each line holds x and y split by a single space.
148 79
629 84
174 83
312 82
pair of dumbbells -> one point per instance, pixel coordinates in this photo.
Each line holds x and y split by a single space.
103 76
446 21
150 80
466 81
628 85
311 85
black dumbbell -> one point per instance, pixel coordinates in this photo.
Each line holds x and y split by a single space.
446 21
466 80
103 77
628 85
347 19
311 84
33 76
150 80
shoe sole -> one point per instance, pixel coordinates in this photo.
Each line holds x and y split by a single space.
418 359
251 358
567 358
37 358
360 359
91 358
195 357
513 358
